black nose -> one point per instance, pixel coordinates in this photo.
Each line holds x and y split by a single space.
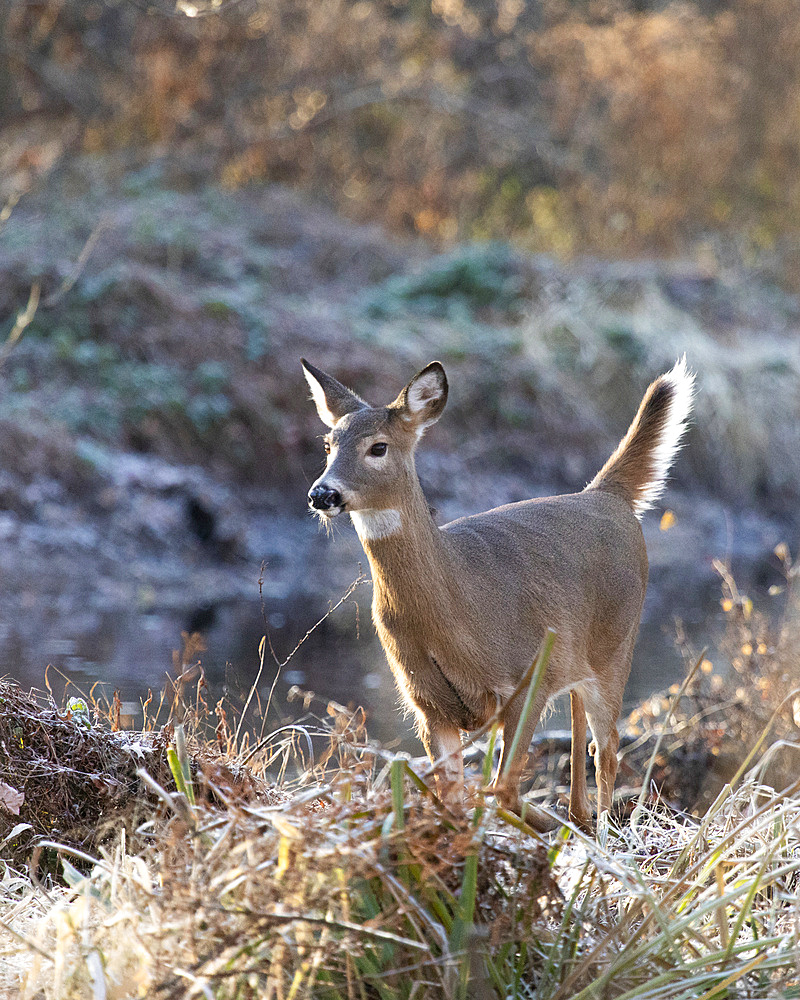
324 498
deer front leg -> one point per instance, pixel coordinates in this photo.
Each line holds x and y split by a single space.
442 742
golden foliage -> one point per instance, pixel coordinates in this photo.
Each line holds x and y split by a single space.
601 127
687 126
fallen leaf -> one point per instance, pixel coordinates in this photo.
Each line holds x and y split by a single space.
10 798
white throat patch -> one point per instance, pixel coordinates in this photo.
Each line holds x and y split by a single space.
372 524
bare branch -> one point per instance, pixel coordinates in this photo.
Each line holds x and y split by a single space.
23 320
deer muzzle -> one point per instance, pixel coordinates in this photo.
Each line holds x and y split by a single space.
322 497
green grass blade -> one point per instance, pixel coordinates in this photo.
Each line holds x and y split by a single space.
488 760
398 794
180 766
535 683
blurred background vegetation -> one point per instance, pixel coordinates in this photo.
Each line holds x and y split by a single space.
614 130
618 127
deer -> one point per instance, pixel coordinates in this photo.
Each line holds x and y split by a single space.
462 610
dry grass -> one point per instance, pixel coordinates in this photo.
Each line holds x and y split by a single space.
575 128
22 908
358 884
351 879
364 886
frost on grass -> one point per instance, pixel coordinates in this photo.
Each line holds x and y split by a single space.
347 877
362 877
363 880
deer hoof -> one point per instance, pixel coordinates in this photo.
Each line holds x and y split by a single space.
540 820
583 821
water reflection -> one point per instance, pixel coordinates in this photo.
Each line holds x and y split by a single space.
341 659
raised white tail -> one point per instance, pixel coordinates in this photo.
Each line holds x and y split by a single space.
461 610
639 466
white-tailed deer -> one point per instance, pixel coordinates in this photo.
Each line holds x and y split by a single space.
461 610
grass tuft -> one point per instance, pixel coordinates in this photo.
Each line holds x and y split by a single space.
358 884
344 877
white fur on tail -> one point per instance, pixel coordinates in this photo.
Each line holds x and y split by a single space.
682 382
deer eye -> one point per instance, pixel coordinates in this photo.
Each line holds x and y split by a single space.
378 449
327 446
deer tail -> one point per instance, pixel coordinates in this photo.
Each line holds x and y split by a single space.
638 468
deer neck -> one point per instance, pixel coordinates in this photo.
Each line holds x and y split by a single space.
407 553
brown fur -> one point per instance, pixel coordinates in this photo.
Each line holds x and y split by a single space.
461 610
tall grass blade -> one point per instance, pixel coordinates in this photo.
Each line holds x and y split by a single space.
533 687
463 924
488 760
722 987
179 765
398 796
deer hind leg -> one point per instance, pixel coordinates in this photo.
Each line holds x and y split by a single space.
506 786
603 705
580 809
602 710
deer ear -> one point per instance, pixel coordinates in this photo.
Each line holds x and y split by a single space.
423 399
332 399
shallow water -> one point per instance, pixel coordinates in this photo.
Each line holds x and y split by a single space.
133 651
